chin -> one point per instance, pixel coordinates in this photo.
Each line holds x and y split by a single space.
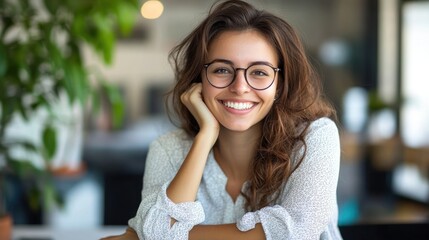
240 127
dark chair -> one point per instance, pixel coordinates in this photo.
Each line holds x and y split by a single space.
408 231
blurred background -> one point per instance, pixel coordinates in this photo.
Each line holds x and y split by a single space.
371 56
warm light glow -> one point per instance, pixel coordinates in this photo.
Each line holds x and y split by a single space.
152 9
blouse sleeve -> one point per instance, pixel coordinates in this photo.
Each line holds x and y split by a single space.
308 204
154 214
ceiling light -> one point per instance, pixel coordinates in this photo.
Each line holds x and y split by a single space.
152 9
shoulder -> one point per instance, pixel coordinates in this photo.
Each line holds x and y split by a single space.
321 128
321 149
175 143
175 139
322 138
323 122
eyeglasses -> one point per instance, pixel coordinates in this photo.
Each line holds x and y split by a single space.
259 76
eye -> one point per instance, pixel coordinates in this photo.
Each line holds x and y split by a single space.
259 73
222 70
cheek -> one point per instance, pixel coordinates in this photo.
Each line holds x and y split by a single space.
209 95
271 93
269 100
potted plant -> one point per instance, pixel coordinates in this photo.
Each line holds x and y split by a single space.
41 60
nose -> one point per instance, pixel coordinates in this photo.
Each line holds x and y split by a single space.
239 84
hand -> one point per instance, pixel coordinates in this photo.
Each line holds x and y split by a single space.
193 100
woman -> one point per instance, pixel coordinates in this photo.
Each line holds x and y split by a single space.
257 156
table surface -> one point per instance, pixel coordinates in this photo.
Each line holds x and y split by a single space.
23 232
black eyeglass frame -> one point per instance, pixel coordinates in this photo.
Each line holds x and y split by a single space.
276 70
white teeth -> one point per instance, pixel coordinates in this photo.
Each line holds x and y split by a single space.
238 105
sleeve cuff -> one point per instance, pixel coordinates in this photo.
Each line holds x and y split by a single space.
250 219
188 213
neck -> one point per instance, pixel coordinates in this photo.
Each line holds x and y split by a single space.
234 151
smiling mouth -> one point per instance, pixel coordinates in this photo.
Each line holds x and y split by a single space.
238 105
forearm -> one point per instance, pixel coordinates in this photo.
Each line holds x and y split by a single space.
129 234
225 232
184 186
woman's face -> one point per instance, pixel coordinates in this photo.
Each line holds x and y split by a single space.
239 107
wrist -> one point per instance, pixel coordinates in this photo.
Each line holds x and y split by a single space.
207 136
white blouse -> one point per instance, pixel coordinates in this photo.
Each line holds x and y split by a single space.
306 209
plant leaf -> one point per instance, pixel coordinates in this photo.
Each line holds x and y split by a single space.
126 15
49 142
22 167
3 61
117 104
34 198
50 195
27 145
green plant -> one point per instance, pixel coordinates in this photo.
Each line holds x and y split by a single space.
41 45
376 103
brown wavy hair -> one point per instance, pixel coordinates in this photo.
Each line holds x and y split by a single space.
299 95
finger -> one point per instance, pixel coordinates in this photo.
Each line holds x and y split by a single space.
185 95
192 94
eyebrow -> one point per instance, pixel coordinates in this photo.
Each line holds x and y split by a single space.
232 63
